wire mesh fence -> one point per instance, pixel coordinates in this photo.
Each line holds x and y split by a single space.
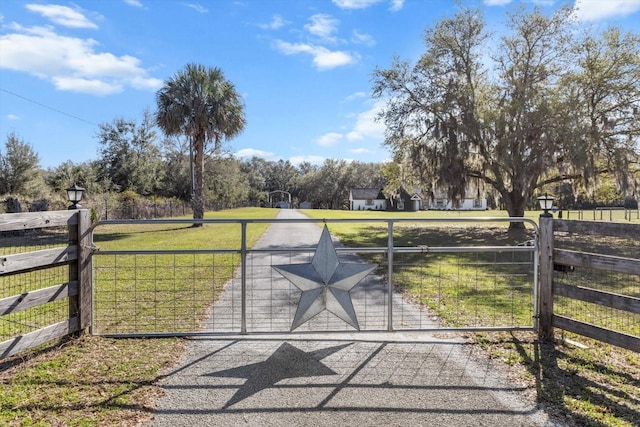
14 324
604 280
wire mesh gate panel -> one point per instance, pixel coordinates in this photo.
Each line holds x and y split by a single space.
466 274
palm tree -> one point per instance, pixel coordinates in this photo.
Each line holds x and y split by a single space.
201 104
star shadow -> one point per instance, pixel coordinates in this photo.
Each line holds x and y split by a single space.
286 362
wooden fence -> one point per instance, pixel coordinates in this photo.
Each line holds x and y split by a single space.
76 254
571 260
602 214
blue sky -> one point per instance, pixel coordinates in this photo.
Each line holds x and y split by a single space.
303 67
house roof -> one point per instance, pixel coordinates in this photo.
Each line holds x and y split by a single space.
366 193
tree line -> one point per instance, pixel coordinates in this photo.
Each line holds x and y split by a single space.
135 162
149 167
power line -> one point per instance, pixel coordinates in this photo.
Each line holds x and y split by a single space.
47 106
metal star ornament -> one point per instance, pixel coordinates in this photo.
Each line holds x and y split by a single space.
325 283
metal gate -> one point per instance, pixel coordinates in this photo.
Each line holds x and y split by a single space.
399 274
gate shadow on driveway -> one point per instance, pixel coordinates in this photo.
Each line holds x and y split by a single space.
338 381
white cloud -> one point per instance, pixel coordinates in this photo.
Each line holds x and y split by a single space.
314 160
71 63
355 4
84 85
12 117
497 2
323 58
145 83
366 126
62 15
198 8
364 39
594 10
323 26
396 5
329 139
360 151
326 59
276 22
134 3
355 96
252 152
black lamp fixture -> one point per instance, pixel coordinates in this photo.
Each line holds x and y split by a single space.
74 193
546 204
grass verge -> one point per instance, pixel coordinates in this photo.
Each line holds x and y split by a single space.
91 381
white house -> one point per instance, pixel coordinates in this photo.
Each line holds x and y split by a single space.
372 199
441 202
367 199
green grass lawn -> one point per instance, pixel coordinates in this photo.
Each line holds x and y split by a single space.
97 381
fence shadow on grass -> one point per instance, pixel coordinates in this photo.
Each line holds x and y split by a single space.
574 382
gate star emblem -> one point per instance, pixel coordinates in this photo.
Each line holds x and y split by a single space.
325 283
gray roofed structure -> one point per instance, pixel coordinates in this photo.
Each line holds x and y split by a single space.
366 193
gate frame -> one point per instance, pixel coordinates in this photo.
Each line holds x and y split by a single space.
390 249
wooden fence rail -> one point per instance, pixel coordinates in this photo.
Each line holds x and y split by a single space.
550 287
77 289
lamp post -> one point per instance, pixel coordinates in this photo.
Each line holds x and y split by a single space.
74 194
546 203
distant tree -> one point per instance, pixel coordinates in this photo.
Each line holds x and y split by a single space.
281 175
365 175
225 182
602 100
548 107
19 167
255 169
200 103
398 176
69 173
306 167
129 156
331 183
176 181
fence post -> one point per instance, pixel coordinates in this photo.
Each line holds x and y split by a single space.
74 271
80 271
545 294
